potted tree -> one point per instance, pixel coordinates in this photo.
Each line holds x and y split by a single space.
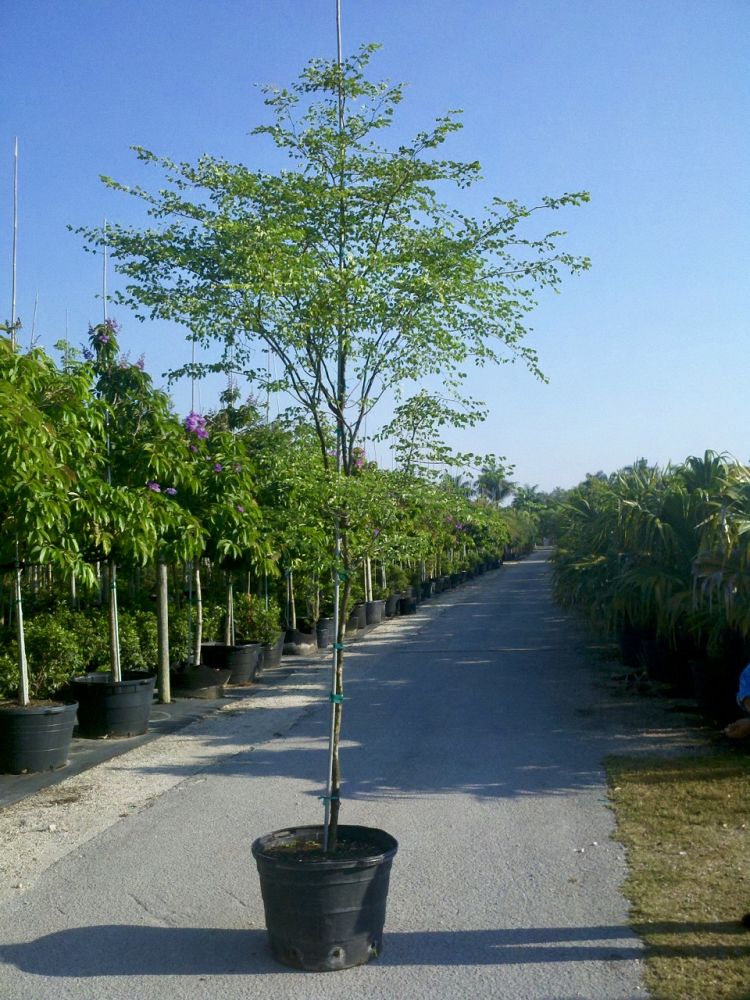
361 282
126 514
47 425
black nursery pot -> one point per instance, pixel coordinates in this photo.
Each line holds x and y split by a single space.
241 659
391 605
324 632
199 682
35 737
325 913
407 606
271 653
114 708
374 612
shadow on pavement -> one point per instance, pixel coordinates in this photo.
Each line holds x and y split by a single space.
113 950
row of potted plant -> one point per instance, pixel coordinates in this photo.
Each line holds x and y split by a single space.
659 558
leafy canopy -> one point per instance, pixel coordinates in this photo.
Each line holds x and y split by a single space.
348 267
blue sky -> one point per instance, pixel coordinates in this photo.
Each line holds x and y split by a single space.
644 104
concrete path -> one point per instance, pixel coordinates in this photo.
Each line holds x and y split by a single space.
474 734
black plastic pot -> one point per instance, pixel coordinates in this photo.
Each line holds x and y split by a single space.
374 612
407 606
241 659
352 622
391 605
35 737
361 612
114 708
325 913
271 653
324 632
199 682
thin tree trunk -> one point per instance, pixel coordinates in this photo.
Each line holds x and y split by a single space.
198 615
229 629
23 666
73 594
114 625
162 628
338 699
292 604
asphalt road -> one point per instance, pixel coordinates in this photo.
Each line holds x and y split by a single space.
471 735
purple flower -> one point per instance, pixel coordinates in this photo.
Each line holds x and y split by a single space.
154 486
112 325
103 338
218 466
170 491
375 532
196 424
87 354
240 508
140 363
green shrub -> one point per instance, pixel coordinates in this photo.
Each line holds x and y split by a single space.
253 621
53 653
182 620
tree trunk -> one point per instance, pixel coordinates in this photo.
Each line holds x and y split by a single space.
23 666
198 639
114 624
162 628
292 603
229 629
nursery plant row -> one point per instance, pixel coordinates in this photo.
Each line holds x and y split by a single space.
133 540
659 558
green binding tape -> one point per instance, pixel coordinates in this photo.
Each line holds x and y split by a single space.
337 699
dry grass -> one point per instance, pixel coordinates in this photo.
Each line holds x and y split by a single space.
685 824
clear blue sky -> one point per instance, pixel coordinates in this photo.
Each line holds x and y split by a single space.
645 103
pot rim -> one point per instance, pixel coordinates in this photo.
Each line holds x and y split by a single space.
387 851
56 709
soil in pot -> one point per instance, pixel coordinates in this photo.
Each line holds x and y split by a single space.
35 737
114 708
325 912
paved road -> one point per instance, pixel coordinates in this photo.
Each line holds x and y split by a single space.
469 736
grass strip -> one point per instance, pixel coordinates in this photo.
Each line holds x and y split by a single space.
685 825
